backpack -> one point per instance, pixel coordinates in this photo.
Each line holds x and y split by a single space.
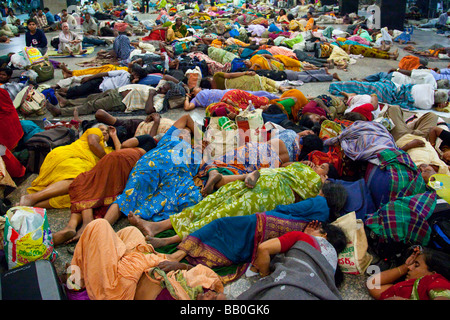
42 143
440 228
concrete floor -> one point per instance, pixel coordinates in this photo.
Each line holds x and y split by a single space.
353 287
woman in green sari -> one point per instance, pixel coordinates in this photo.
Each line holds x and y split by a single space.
177 31
240 195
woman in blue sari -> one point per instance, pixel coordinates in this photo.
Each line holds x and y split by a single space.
212 246
162 181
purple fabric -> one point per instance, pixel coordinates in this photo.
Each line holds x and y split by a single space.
76 295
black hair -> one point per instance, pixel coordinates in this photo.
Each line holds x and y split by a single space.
333 172
273 109
290 16
46 9
31 21
310 143
437 261
205 83
337 238
336 196
141 72
354 116
8 71
305 121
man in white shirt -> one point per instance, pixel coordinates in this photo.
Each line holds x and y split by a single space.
65 17
102 82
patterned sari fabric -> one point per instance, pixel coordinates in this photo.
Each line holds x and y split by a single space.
366 51
246 159
220 55
363 140
211 245
274 187
241 98
424 288
213 66
386 91
404 217
162 181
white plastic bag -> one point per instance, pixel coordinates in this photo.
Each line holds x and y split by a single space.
19 60
27 236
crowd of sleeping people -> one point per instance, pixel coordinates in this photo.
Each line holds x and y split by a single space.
254 207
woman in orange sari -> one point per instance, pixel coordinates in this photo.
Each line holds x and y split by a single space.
292 111
122 266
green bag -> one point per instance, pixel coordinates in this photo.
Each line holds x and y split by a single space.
44 70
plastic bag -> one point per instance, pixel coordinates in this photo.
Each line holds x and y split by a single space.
354 259
19 60
27 236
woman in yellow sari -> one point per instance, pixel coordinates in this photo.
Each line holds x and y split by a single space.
63 164
289 63
265 62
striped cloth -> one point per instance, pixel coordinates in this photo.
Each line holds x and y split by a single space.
404 217
386 91
363 140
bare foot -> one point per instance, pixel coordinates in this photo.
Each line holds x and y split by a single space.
63 236
26 201
213 177
75 115
54 110
62 101
156 242
143 225
65 71
252 179
335 76
77 235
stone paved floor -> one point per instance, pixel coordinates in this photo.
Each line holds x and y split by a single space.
353 287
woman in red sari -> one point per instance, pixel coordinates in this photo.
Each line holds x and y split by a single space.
240 99
426 272
10 134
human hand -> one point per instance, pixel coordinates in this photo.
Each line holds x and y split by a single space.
85 79
412 258
250 73
312 227
305 133
168 266
112 131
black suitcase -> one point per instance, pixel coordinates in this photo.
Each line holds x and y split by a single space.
34 281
